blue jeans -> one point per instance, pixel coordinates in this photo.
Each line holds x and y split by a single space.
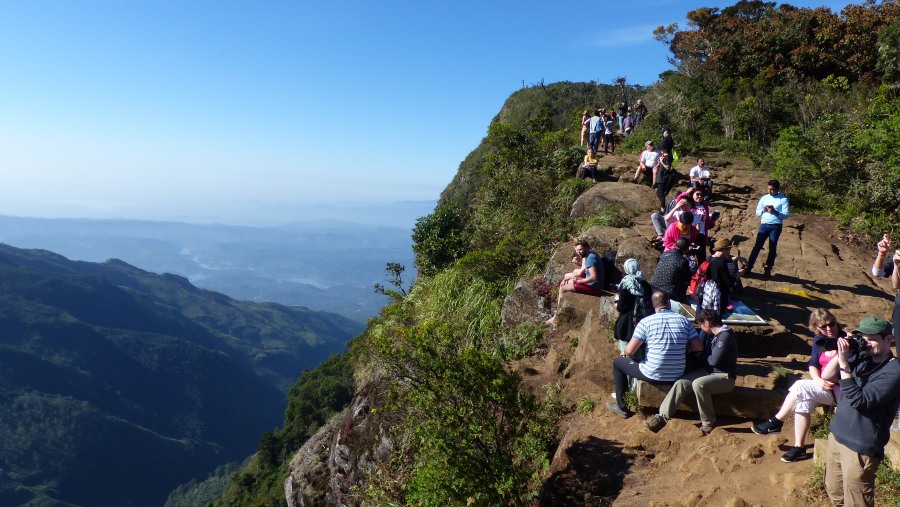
772 232
594 141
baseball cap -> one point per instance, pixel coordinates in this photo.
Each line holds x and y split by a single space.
873 325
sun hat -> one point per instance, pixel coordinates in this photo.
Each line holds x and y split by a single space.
722 244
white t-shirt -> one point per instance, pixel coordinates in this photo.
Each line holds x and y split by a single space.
649 158
700 172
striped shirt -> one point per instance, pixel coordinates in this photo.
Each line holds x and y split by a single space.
665 335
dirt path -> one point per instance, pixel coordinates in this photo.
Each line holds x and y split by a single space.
604 460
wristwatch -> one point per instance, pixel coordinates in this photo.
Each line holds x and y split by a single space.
847 369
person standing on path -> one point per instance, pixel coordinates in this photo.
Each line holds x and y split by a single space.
772 209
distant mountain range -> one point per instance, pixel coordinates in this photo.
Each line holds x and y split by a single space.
117 384
326 265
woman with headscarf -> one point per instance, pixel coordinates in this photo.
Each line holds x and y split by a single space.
632 291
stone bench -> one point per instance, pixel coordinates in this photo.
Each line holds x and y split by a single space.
745 402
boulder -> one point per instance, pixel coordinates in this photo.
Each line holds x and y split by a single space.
527 303
632 200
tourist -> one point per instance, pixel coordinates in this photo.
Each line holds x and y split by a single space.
585 121
632 291
588 167
716 290
716 375
701 176
587 278
683 228
665 336
595 130
705 220
807 394
869 378
773 208
672 274
647 162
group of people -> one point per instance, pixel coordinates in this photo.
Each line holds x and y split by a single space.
854 372
599 127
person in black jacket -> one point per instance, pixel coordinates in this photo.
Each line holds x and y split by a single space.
673 274
869 377
632 291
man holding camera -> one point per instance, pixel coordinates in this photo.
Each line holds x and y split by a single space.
772 209
869 377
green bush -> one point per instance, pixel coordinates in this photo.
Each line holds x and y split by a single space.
438 238
477 438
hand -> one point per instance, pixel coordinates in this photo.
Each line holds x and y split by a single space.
896 257
576 260
843 352
825 385
883 246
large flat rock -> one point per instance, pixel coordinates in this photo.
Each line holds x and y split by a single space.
632 199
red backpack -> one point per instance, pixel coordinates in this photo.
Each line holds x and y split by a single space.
695 289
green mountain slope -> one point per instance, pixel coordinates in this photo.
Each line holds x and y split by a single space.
117 384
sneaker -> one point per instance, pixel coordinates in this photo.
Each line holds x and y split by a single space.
770 425
707 428
614 408
656 423
794 454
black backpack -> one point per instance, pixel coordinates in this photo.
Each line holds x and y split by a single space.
643 306
611 274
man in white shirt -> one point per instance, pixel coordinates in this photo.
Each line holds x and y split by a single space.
701 176
649 159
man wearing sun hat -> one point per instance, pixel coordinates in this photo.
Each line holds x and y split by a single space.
869 376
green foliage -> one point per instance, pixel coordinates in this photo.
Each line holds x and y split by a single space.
586 404
887 484
438 238
477 437
889 52
821 425
465 302
609 216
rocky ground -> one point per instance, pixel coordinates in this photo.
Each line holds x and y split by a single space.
605 460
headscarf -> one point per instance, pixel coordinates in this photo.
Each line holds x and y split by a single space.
633 278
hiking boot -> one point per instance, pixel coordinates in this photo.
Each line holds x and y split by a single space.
656 423
770 425
707 428
794 454
614 408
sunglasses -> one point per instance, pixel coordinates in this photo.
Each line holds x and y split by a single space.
828 324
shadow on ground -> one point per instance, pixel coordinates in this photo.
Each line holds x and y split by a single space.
593 478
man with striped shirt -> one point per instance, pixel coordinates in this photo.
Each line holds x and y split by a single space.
666 336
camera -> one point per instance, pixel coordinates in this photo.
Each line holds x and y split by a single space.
856 341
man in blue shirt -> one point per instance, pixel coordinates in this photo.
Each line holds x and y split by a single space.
666 336
772 209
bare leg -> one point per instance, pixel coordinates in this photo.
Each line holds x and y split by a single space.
801 426
638 173
654 173
787 407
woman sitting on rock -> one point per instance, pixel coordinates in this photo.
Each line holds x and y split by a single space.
633 290
807 394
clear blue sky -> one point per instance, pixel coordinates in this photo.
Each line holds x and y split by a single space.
252 111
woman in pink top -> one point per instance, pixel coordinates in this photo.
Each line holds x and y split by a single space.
680 229
704 222
805 395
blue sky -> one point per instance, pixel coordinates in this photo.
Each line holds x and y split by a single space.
259 112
